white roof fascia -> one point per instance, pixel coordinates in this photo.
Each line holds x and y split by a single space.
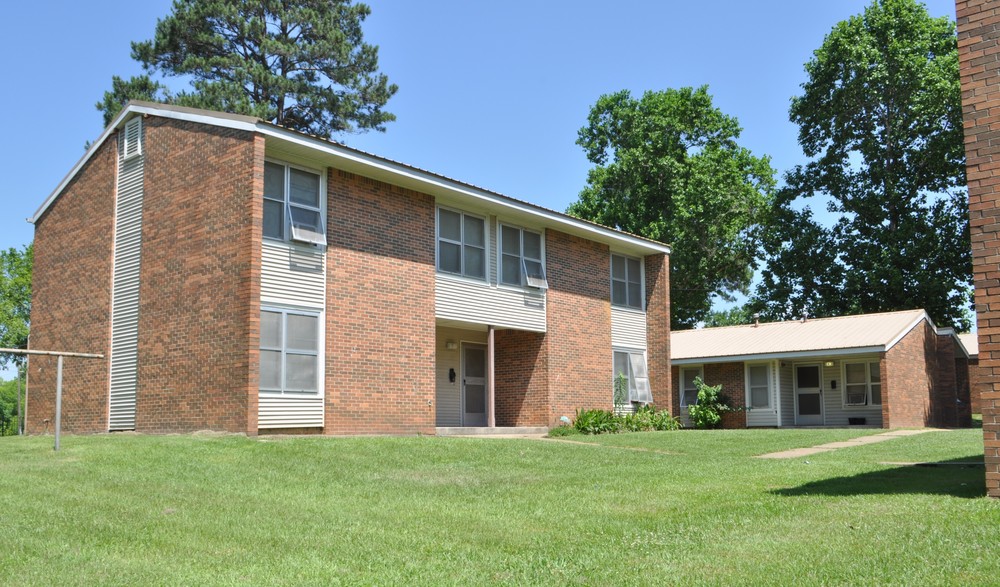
453 187
905 331
777 356
117 122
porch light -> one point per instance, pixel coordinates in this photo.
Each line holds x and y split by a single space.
828 364
451 345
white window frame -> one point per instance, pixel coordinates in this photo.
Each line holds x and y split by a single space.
680 383
526 281
284 312
291 232
642 282
462 244
749 388
131 137
869 400
639 391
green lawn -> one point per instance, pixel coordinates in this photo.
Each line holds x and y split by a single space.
690 507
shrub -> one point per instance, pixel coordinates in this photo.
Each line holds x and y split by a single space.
707 413
596 421
645 418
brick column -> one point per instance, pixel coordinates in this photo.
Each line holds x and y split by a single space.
979 64
658 331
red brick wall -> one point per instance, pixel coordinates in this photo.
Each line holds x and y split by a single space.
658 330
521 373
578 315
908 380
962 390
199 305
978 55
71 299
380 308
975 386
731 377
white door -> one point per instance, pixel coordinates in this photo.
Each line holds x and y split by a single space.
808 395
473 385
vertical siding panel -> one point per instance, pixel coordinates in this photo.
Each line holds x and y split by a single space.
628 328
125 288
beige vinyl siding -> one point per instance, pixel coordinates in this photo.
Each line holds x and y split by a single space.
280 411
448 402
293 275
125 282
764 417
833 401
628 328
478 303
786 393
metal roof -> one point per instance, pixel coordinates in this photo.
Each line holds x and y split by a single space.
361 162
800 338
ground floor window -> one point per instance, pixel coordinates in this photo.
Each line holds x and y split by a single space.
289 351
630 365
862 384
759 386
689 391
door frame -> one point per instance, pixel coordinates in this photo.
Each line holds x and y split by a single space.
795 393
484 347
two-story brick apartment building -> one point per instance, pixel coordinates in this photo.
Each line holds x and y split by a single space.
240 276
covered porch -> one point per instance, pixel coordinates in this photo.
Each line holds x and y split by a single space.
489 379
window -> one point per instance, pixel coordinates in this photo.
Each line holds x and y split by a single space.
632 364
461 244
689 391
521 258
293 204
132 138
862 384
759 386
626 282
289 351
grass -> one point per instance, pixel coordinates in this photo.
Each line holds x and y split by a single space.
689 507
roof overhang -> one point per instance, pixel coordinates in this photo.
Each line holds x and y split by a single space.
812 354
368 165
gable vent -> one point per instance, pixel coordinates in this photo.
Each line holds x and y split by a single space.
132 144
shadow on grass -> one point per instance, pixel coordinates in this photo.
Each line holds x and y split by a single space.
955 477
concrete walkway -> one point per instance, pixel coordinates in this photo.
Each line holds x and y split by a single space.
860 441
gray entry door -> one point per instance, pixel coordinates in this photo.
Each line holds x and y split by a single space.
473 385
808 395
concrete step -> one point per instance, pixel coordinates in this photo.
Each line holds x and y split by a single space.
487 431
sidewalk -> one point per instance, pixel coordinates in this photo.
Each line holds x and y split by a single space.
860 441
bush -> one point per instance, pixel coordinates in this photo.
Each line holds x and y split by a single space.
645 418
707 413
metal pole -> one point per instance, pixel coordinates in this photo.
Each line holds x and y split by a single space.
59 362
19 429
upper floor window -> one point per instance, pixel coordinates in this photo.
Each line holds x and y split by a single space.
293 204
521 258
626 282
862 384
461 244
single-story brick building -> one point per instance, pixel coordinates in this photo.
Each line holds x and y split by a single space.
894 369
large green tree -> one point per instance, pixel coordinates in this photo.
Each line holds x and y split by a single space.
881 119
667 166
15 300
302 64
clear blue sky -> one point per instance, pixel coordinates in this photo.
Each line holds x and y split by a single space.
491 93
